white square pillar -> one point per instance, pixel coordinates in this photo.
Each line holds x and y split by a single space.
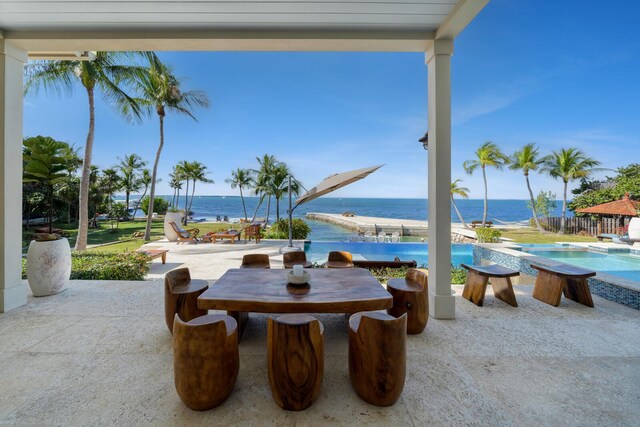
441 302
12 292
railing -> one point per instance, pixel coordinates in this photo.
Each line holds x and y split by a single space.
584 225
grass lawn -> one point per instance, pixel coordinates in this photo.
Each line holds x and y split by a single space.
530 235
105 234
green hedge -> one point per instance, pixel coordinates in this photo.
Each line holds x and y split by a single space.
105 266
280 229
458 275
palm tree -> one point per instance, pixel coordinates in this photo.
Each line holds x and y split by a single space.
198 172
44 163
280 184
526 159
263 180
488 155
106 72
145 181
184 169
175 182
130 180
569 164
241 178
159 90
110 183
463 192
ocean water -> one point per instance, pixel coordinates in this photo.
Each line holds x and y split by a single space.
209 207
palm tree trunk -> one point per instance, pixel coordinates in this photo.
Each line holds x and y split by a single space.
178 196
186 203
268 208
533 206
257 207
453 202
484 212
244 208
193 192
127 193
152 193
135 211
564 209
277 209
83 203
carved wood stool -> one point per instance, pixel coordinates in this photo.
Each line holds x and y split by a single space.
205 360
410 296
377 356
181 296
295 360
552 282
476 284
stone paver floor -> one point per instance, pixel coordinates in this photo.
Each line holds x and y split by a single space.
100 354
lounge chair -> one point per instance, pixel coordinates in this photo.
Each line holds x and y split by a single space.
395 237
253 231
382 237
185 236
368 237
339 259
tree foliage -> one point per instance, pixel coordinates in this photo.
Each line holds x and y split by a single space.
595 192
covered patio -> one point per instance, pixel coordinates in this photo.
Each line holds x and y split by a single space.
100 354
59 29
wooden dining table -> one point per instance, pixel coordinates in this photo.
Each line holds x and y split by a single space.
241 291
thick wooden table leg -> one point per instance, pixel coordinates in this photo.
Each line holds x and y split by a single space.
241 318
164 257
475 288
578 291
503 290
548 288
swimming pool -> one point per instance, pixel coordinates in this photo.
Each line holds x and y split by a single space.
624 265
318 251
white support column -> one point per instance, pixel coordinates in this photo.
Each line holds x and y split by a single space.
12 292
441 302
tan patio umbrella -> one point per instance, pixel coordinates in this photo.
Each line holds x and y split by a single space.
328 185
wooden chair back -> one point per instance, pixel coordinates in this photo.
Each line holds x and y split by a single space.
419 276
179 231
253 231
340 256
255 261
294 257
378 356
177 277
206 360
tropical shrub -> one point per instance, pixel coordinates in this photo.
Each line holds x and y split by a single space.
105 266
160 205
487 234
280 229
458 275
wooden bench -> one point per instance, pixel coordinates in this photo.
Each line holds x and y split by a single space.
155 253
476 284
475 224
552 282
384 264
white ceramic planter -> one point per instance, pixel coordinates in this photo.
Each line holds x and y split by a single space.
168 231
634 228
48 266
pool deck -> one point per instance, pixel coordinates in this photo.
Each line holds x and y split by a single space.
99 353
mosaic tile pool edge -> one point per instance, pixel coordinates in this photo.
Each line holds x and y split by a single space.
606 290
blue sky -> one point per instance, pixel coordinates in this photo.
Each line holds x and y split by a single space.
556 73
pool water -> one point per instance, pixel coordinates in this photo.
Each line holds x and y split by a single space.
622 265
372 251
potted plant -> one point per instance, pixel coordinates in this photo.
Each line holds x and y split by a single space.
49 254
172 215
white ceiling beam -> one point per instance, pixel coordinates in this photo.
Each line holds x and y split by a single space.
462 14
356 41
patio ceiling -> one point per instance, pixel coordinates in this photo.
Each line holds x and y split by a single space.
380 25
